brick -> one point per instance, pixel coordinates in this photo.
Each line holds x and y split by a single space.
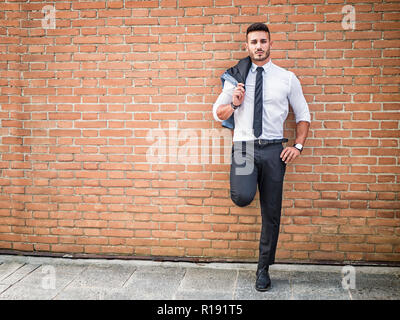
73 147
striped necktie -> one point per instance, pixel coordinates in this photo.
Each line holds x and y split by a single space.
258 103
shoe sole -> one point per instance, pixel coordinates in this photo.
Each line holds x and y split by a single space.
262 289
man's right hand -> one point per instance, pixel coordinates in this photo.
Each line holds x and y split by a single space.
238 94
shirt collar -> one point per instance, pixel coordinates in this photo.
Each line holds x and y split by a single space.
265 66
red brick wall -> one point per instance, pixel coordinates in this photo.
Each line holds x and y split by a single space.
83 104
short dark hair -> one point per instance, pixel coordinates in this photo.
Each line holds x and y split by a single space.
258 26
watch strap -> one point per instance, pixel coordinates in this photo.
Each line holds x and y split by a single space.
233 106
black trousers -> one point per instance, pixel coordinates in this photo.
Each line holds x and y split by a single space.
255 164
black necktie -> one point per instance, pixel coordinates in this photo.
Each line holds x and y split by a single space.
258 103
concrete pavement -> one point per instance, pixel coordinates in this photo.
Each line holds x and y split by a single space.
42 278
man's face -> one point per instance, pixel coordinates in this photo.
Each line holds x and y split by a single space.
258 45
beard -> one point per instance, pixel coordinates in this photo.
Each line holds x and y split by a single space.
260 57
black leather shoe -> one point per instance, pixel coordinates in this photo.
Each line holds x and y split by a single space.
263 282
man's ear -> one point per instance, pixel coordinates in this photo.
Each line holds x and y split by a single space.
246 46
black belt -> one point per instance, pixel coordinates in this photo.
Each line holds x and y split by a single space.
263 141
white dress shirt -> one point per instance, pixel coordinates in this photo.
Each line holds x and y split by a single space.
280 87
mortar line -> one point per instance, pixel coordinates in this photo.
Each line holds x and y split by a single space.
127 280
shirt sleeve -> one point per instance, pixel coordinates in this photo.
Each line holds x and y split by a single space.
297 100
225 97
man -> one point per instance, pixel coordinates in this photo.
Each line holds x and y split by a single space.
254 102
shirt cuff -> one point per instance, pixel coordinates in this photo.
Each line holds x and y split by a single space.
215 107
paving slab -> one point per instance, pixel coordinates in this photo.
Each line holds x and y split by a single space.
19 273
103 277
376 287
8 268
154 283
202 283
317 285
23 277
44 283
90 293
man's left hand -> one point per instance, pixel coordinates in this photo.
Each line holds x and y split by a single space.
289 154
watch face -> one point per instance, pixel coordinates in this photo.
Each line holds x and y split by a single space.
298 146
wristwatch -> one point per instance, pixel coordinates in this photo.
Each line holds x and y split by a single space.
234 107
298 146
